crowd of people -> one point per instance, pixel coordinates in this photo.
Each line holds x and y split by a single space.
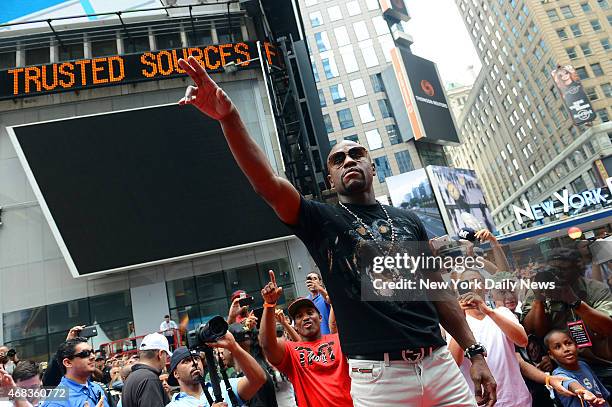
547 346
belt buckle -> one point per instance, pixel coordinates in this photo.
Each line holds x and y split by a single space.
413 355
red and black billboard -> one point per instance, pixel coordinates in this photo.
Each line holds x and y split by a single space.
120 69
568 82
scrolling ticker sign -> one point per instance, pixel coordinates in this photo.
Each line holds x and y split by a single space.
568 82
120 69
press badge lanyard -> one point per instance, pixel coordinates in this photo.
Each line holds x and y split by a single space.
578 332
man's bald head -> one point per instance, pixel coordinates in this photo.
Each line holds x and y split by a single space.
350 168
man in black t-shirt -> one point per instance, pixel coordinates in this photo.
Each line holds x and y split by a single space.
396 353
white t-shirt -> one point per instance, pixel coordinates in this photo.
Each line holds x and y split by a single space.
501 358
166 326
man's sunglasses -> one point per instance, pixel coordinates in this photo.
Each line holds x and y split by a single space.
356 153
83 354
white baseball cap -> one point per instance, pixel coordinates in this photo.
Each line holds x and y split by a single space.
155 341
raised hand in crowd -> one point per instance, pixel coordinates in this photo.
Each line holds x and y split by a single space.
251 321
235 310
281 318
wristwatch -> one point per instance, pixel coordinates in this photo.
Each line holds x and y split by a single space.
475 349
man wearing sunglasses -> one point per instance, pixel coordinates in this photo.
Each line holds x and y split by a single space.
77 361
396 352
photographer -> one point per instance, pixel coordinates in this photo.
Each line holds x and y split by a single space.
315 366
573 299
186 367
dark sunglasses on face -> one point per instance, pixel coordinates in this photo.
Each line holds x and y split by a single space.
83 354
356 153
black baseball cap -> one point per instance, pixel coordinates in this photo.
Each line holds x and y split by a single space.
178 356
300 303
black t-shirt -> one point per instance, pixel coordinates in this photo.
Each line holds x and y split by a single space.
338 243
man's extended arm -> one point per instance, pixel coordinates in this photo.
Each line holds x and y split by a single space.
211 100
273 347
594 319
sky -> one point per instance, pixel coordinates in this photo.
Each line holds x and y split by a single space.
440 35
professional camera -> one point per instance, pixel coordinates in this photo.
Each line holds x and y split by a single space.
207 333
548 273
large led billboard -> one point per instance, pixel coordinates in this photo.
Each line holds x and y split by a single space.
141 187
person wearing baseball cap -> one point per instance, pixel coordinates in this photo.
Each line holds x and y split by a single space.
237 313
316 366
186 368
144 389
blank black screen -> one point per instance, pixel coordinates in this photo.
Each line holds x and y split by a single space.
139 186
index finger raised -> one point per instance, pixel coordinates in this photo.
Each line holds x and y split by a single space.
272 276
202 76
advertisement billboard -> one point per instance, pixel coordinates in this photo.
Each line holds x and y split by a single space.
424 98
141 187
395 8
412 191
576 101
460 199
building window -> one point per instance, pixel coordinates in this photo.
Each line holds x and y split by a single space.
369 54
571 52
567 11
372 5
562 34
385 109
103 48
352 137
361 30
605 44
393 134
603 4
596 25
582 72
603 115
329 126
591 93
142 43
377 83
337 93
315 72
329 65
576 30
358 88
345 118
334 13
374 140
586 49
365 113
316 19
404 161
322 100
37 56
322 41
383 169
71 52
173 40
607 89
342 37
597 71
586 7
310 2
348 57
380 25
353 8
8 59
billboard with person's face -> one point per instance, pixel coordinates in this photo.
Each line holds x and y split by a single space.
568 82
460 198
412 191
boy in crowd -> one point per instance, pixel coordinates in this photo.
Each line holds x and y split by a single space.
584 384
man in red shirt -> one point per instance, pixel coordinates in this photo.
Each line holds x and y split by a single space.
315 366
